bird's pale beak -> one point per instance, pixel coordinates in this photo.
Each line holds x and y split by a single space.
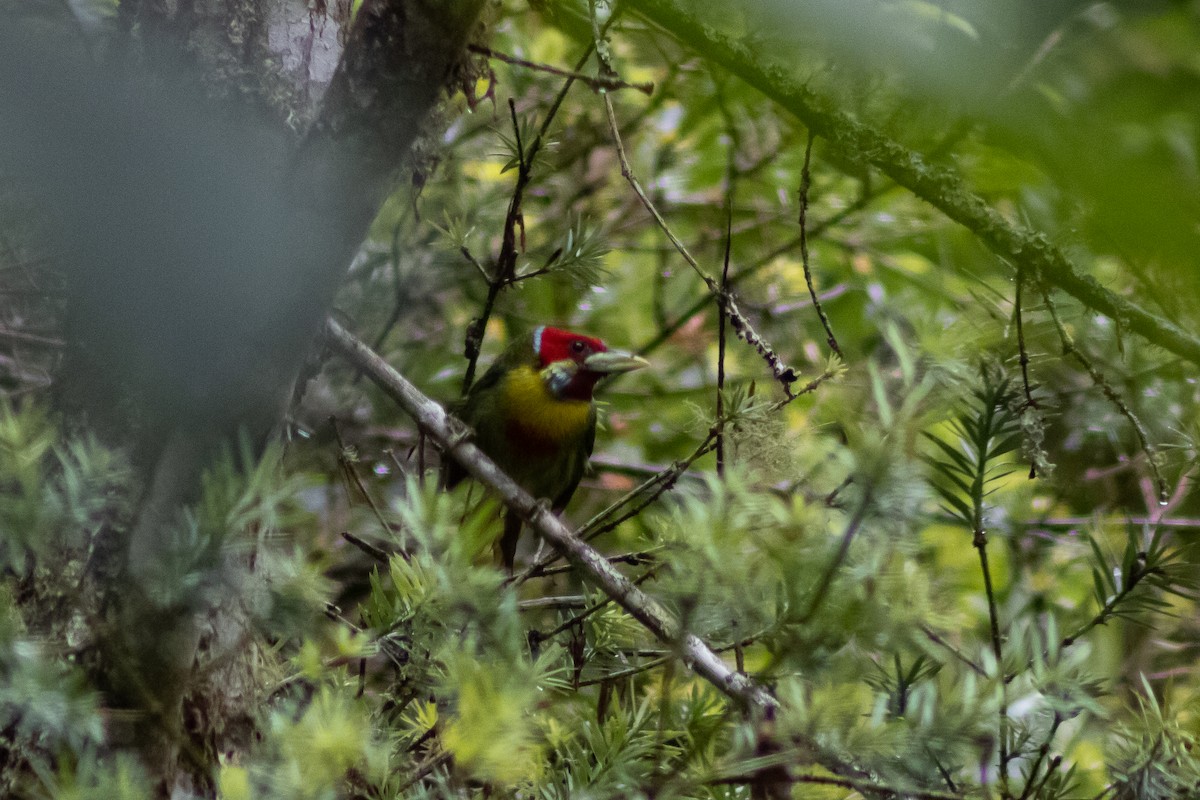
612 362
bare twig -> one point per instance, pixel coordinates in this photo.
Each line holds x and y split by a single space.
745 331
661 483
980 542
627 673
805 185
862 787
377 553
557 603
604 522
1070 349
589 610
731 174
938 639
1024 354
1184 523
668 330
839 558
633 559
30 338
424 769
595 83
506 262
351 474
721 340
1034 785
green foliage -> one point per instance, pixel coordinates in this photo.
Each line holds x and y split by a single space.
56 493
825 558
120 778
985 432
1154 751
1149 571
44 700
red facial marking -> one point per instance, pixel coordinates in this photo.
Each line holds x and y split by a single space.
555 344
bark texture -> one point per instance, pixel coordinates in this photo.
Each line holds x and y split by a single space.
210 168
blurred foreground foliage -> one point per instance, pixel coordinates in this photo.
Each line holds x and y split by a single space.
965 566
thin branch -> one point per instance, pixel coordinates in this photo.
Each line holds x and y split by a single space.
30 338
589 610
1070 349
632 559
1191 523
720 444
423 771
506 261
1108 610
1033 785
659 660
839 558
603 522
745 331
805 185
557 603
377 553
664 481
938 639
595 83
830 372
980 542
863 200
627 673
731 176
352 475
1024 353
859 786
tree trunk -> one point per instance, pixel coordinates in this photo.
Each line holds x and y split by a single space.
210 168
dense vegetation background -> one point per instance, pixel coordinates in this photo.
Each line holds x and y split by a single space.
915 455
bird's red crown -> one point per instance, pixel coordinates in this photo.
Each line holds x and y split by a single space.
555 344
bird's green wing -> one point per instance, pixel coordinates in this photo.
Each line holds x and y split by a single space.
469 409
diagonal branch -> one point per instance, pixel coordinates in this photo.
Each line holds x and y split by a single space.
450 435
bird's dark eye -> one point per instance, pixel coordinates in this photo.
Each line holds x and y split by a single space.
577 346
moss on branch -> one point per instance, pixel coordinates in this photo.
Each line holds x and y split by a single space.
938 186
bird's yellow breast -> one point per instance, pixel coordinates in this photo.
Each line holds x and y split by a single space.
538 414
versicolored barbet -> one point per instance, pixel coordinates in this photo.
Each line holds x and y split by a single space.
532 414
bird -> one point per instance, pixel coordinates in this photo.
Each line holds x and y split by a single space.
532 413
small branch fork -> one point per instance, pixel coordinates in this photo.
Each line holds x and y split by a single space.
595 83
1070 349
648 491
741 325
505 271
